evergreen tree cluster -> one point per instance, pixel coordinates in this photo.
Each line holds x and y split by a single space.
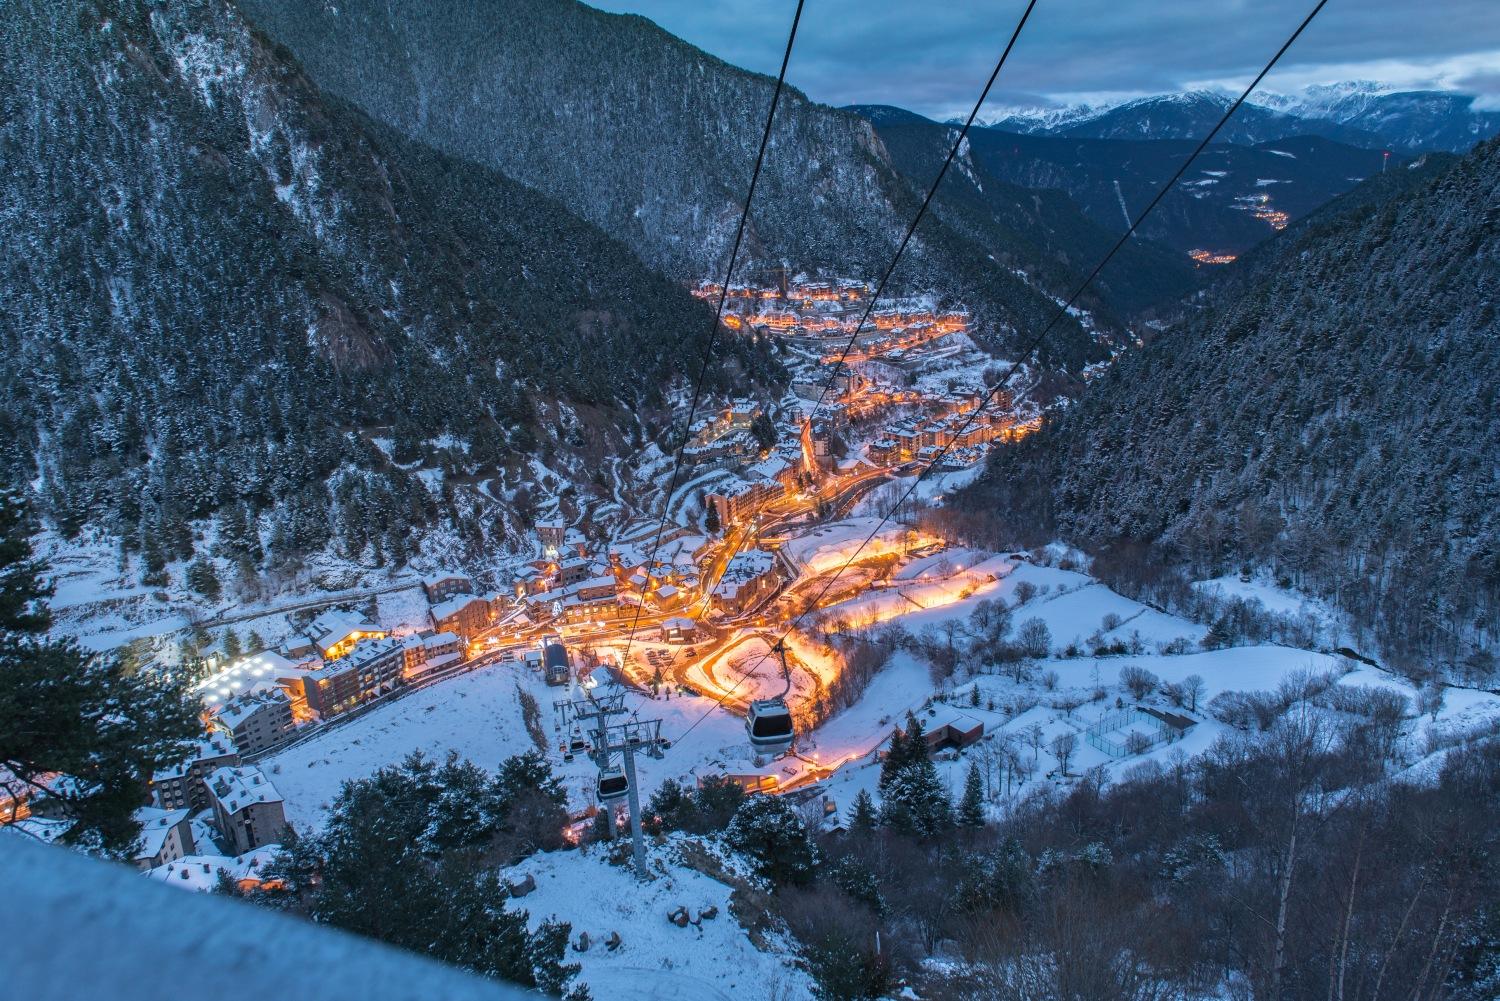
81 730
913 800
410 856
702 810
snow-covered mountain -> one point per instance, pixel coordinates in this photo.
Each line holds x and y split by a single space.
1416 120
1359 114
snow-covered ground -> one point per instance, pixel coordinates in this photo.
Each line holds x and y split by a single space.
714 960
828 547
1282 601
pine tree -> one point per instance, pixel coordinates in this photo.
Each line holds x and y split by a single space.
862 815
768 829
23 592
913 800
859 881
78 715
895 756
971 807
916 802
202 578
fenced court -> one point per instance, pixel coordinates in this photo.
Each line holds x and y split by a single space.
1113 733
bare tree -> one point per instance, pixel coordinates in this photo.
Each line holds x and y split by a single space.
1034 739
1193 687
1035 638
1063 748
1139 681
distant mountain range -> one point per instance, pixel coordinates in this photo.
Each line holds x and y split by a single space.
1357 114
1233 197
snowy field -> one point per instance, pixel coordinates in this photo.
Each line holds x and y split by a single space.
478 715
714 961
828 547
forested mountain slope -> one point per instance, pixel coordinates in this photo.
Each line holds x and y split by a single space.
649 138
1329 413
213 272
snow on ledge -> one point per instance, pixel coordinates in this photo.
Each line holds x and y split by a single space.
76 927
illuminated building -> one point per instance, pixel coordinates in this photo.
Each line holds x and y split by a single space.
257 720
370 670
335 632
465 614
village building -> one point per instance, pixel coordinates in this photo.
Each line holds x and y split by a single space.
750 576
166 835
368 671
466 615
183 786
946 727
201 873
247 809
679 629
551 534
257 720
442 586
426 652
336 631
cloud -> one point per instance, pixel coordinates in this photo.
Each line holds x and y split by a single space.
933 58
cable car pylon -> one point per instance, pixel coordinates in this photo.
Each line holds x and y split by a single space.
615 783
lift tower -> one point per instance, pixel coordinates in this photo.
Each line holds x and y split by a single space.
608 740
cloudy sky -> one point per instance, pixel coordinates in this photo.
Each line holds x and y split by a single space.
933 56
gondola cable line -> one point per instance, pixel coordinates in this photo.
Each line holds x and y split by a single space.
953 151
714 329
1036 341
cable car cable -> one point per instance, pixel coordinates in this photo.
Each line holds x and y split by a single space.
1037 340
713 333
958 142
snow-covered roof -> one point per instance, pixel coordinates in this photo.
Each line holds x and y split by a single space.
454 605
242 707
237 788
217 745
200 873
743 568
443 577
336 624
363 653
156 826
249 674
